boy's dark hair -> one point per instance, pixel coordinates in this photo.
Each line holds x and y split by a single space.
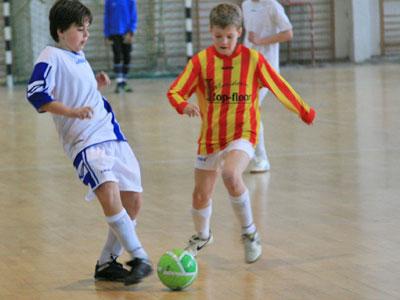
226 14
64 13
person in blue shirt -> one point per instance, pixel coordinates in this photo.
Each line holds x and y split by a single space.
120 24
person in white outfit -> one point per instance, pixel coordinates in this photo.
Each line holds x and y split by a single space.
63 84
266 26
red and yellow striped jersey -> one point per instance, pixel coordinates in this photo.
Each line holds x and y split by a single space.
227 93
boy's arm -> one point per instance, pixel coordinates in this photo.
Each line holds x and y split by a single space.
283 91
280 37
134 18
40 90
59 108
183 86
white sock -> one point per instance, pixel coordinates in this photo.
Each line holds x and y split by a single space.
112 247
242 208
201 220
123 227
260 151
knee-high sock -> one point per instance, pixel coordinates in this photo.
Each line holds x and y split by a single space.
242 207
112 248
123 227
201 220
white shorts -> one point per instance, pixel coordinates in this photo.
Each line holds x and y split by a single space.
215 161
108 161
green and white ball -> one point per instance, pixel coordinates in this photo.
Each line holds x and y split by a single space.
177 269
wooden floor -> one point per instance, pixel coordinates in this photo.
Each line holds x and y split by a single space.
328 212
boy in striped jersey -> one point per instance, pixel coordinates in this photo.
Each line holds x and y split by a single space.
226 78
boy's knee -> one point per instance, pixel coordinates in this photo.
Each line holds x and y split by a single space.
200 198
232 179
230 176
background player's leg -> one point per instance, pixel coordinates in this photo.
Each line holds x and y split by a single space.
260 162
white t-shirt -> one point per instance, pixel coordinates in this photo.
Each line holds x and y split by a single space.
265 18
66 76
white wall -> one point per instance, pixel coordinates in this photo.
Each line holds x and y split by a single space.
343 31
357 29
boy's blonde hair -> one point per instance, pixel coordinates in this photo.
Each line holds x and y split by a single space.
226 14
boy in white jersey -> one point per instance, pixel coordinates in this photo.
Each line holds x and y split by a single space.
63 84
266 26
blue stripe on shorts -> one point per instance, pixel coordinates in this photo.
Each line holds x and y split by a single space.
85 172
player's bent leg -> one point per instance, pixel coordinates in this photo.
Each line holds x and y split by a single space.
123 227
132 201
236 161
109 198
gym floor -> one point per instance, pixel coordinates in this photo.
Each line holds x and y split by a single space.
328 211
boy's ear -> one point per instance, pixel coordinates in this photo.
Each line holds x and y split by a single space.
59 33
240 31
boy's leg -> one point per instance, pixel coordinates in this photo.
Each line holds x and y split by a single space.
122 226
236 162
202 209
140 265
260 161
112 249
126 53
118 66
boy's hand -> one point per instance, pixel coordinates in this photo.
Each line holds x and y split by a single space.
85 112
309 117
253 38
128 38
192 110
102 80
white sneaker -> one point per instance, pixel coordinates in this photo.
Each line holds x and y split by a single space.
195 244
252 247
259 165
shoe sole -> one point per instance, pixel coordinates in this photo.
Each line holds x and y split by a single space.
253 261
109 279
259 171
137 280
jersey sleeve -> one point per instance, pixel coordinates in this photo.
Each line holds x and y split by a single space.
41 85
271 79
184 85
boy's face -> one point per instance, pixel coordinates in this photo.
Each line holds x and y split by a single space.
75 37
225 39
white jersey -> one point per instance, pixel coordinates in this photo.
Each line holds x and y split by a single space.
65 76
265 18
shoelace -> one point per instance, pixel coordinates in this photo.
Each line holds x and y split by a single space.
114 261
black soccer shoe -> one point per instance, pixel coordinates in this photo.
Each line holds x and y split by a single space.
140 268
110 271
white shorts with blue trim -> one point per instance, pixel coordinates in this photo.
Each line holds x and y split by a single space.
108 161
214 161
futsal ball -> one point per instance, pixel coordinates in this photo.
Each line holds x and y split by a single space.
177 269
